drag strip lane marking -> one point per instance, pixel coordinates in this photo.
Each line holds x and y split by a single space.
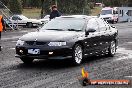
12 48
11 38
128 54
9 48
128 76
14 41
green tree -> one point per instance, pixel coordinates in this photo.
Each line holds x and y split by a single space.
5 2
66 6
73 6
130 3
15 6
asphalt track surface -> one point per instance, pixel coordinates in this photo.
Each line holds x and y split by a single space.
61 73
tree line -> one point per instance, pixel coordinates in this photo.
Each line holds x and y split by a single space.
64 6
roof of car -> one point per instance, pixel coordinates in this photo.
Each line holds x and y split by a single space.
18 15
107 8
78 16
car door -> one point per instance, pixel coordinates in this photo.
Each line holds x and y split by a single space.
93 39
16 20
104 33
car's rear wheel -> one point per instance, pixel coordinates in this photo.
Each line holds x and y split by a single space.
29 25
77 54
27 60
112 48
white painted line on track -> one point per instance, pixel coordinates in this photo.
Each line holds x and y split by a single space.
127 53
12 48
128 76
129 42
11 38
14 41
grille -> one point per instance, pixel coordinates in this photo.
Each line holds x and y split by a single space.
106 18
30 42
35 43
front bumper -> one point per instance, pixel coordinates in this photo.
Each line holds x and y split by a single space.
58 53
108 19
43 57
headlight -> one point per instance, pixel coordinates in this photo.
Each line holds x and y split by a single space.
20 43
57 44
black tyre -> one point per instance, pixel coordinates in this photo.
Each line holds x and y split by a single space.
112 21
117 20
112 49
29 25
27 60
77 54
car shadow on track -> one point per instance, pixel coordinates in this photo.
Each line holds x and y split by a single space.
52 64
60 64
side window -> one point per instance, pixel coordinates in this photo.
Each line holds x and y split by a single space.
121 13
102 25
115 11
92 23
14 18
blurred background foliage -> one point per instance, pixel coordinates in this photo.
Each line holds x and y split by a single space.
64 6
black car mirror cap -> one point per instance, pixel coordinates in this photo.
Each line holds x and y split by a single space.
90 30
113 26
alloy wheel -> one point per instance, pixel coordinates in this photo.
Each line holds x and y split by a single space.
78 54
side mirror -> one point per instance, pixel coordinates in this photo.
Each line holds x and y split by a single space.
113 26
90 31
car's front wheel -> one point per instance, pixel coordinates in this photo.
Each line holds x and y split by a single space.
27 60
77 54
112 48
29 25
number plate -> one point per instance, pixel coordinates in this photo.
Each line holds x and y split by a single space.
34 51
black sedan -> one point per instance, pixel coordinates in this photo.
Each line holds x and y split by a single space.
72 37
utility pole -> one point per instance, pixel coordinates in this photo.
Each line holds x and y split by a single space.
42 8
56 2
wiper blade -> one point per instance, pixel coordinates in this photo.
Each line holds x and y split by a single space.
55 29
74 30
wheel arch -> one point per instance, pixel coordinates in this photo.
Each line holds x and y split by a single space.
80 43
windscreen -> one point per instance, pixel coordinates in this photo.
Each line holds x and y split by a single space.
104 12
65 24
